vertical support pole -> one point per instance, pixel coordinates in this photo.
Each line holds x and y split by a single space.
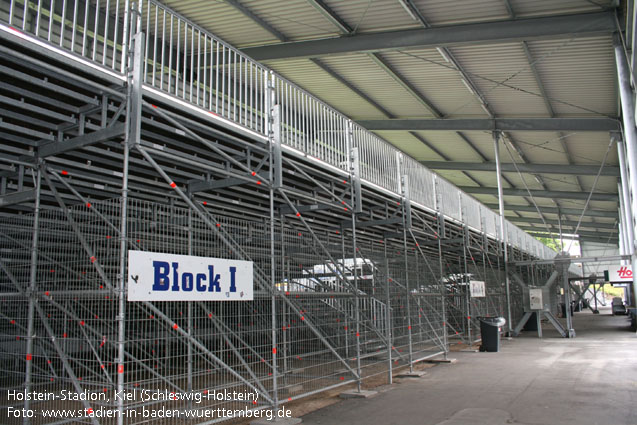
125 35
624 198
441 282
623 232
32 280
562 263
357 203
133 135
343 267
406 225
286 348
467 282
630 137
390 344
567 302
503 229
357 304
121 325
189 323
273 131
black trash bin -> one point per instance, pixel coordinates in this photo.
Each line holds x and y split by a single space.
490 330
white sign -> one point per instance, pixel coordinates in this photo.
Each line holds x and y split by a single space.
478 289
156 276
619 274
535 299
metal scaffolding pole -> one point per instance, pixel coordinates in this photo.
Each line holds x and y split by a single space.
357 304
503 229
132 138
390 344
630 137
404 201
189 329
31 292
467 285
273 134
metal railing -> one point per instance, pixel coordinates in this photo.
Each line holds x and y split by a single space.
185 61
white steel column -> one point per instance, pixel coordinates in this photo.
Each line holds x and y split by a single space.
503 229
624 198
630 137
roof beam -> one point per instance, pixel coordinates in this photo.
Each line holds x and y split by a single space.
538 80
383 64
599 236
564 223
553 210
579 170
553 194
597 239
495 124
351 86
330 15
451 35
263 24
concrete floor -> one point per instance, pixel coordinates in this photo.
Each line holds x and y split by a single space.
591 379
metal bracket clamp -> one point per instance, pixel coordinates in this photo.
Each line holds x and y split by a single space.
277 154
355 173
406 201
135 79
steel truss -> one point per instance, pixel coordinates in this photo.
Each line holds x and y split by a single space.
138 130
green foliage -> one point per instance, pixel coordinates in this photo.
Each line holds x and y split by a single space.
556 245
612 291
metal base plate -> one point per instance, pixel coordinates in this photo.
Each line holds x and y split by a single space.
358 394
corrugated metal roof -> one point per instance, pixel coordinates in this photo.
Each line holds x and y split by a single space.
372 15
367 76
524 8
504 77
294 18
460 179
605 184
452 145
222 20
409 144
539 146
444 12
437 79
316 81
579 74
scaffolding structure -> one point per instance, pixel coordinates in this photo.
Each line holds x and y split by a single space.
127 127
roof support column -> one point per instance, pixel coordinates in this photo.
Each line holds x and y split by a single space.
503 229
624 198
623 239
630 136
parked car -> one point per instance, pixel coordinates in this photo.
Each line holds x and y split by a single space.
618 306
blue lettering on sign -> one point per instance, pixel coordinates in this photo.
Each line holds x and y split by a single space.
186 282
214 282
162 269
233 287
200 286
189 281
175 277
